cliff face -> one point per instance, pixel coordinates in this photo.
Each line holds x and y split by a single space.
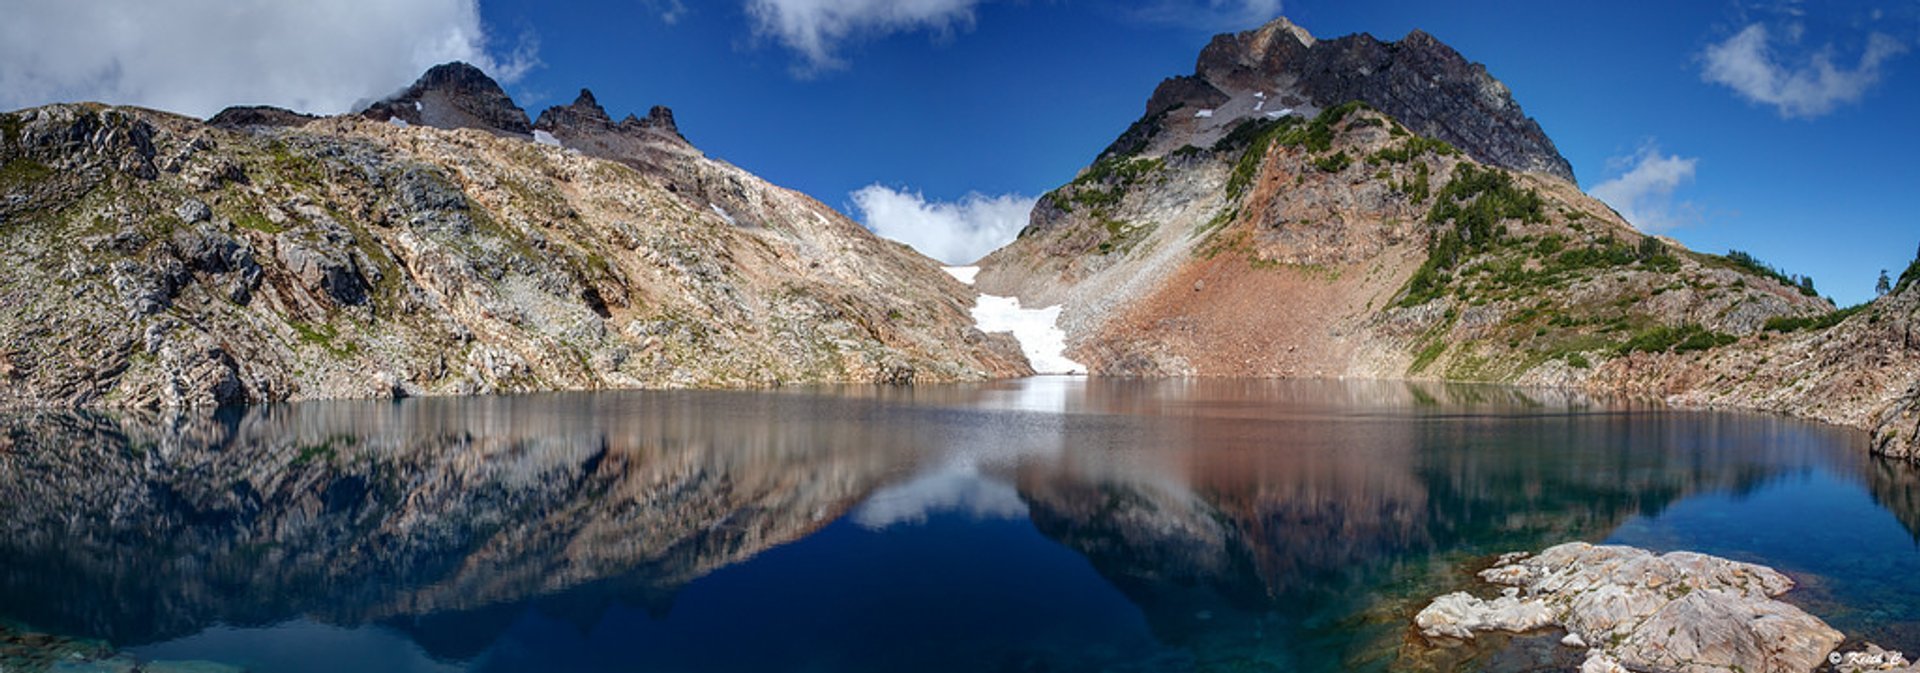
165 261
1419 81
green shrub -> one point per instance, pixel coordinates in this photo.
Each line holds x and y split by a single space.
1106 182
1746 262
23 172
1410 149
1468 211
1818 322
1259 135
1908 277
1333 163
1681 339
1427 355
1418 189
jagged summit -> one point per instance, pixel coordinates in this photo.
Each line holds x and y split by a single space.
585 121
583 112
458 95
454 95
1281 69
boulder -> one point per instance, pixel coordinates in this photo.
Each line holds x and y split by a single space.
1679 611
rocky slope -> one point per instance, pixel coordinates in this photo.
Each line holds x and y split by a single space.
1348 246
1256 236
1858 367
166 261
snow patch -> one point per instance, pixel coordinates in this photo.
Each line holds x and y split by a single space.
722 212
417 107
396 121
1203 114
1037 330
545 138
1260 95
1257 106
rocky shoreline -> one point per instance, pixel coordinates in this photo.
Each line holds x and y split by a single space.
1634 610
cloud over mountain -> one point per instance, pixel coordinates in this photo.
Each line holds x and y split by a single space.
197 56
956 232
1643 192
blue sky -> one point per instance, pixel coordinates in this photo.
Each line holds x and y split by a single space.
899 110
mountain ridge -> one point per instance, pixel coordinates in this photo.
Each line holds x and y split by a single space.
170 262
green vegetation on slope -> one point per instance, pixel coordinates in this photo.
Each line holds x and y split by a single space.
1410 149
1468 212
1100 189
1818 322
23 172
1741 261
1261 134
1680 339
1908 277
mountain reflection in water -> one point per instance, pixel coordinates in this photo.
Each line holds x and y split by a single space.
1048 524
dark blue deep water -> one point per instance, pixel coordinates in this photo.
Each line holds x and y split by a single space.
1045 525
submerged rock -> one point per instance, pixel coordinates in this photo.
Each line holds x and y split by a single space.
1679 611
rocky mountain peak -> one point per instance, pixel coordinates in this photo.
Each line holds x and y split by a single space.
587 127
583 113
454 95
586 100
660 117
1280 69
242 116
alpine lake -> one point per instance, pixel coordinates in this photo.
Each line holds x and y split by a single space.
1051 524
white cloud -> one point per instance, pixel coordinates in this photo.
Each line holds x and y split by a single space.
815 28
959 489
1643 193
1748 64
1227 15
956 232
198 56
670 11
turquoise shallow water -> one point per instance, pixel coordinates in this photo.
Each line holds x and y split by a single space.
1052 524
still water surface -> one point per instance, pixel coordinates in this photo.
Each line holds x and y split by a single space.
1050 524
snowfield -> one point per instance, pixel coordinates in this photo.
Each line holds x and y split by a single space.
1037 329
